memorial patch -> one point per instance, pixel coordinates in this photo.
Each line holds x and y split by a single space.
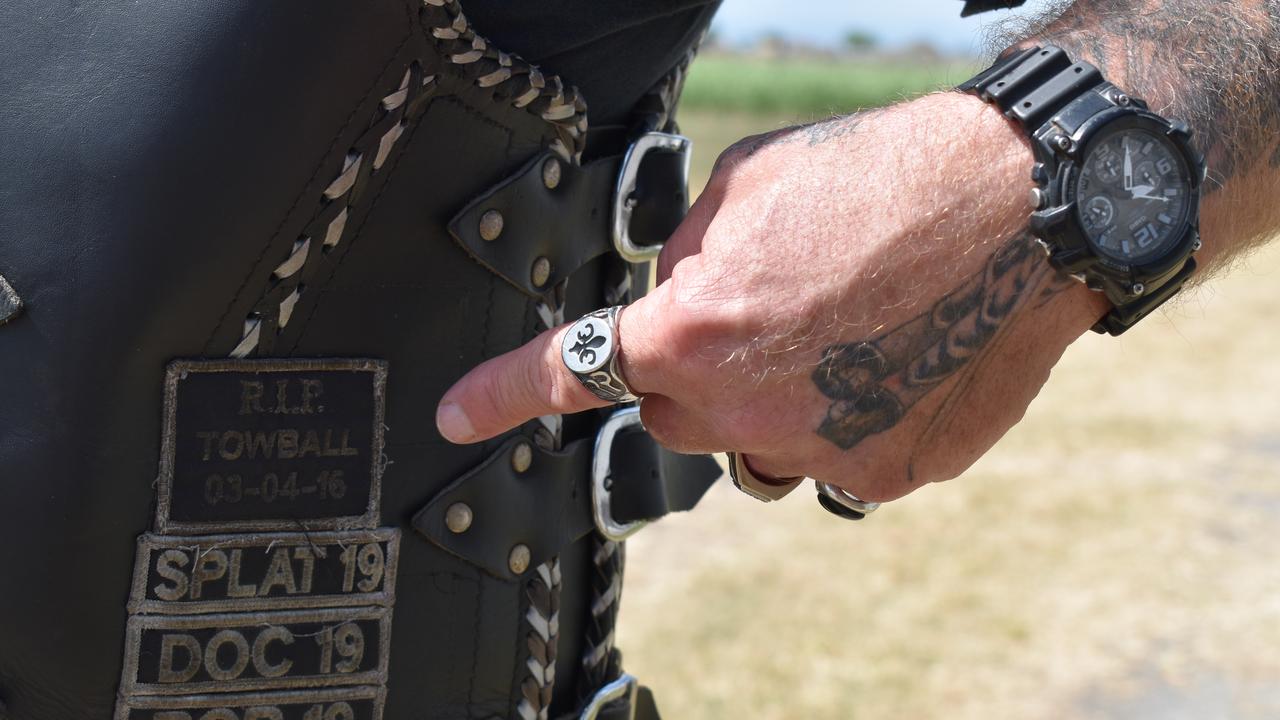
219 573
256 651
265 591
357 703
271 445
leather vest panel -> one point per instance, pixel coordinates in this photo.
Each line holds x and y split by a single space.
263 180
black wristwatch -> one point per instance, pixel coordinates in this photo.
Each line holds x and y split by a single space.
1117 202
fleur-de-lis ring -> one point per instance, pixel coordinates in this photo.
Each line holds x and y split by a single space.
590 351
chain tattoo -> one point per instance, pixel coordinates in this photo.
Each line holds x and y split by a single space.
873 383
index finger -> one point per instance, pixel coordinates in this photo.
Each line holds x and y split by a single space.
532 381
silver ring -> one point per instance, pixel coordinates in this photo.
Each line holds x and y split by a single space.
590 351
846 499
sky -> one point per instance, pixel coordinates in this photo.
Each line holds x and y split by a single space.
825 22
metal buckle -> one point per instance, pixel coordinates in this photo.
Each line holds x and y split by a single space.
601 476
625 686
624 200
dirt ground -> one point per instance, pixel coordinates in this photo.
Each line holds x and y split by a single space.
1113 557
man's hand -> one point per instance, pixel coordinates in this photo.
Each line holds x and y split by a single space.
855 301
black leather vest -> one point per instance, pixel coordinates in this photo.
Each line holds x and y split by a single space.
247 245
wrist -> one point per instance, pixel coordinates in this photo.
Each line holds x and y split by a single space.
1006 177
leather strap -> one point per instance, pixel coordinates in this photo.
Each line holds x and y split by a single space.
555 216
653 480
567 225
525 495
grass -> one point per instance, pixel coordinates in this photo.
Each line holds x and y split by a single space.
1112 557
809 86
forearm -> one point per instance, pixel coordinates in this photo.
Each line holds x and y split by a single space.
1214 64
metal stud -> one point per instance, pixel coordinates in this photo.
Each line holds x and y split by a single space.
1062 142
541 272
1195 246
1123 100
1137 289
521 457
519 558
458 517
551 173
491 225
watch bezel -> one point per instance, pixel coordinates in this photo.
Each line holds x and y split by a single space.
1073 250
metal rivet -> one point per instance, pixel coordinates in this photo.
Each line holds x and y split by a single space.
491 225
1195 246
519 558
1037 198
551 173
1063 142
521 457
458 517
1123 100
541 272
1137 289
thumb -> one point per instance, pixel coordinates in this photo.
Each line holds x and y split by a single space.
532 380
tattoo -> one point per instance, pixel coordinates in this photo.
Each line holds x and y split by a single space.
813 134
873 383
1213 63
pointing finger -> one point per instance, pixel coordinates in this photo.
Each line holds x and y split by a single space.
533 381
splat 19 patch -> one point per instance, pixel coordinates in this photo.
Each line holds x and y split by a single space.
221 573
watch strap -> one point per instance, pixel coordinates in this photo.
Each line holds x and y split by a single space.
1123 317
1032 85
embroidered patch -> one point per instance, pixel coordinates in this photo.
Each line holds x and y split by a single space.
219 573
358 703
271 445
256 651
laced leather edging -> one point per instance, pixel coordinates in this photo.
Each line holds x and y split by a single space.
512 79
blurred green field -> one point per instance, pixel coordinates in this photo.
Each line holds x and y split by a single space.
810 86
729 97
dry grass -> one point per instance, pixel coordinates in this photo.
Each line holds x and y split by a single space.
1113 557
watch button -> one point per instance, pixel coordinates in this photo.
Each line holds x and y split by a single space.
1037 197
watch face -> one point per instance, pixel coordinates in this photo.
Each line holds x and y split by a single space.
1134 195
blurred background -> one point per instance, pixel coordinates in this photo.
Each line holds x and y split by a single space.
1117 555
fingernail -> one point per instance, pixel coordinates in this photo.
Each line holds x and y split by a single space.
454 424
